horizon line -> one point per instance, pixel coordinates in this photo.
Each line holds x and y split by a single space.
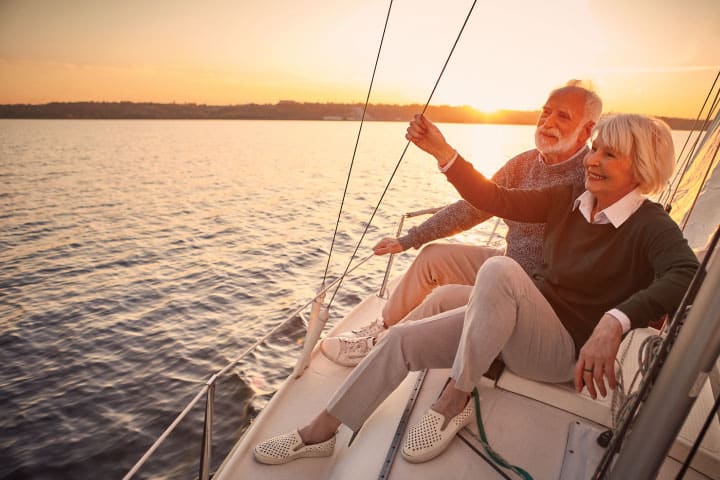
299 102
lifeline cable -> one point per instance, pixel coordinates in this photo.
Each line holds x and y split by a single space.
402 155
357 141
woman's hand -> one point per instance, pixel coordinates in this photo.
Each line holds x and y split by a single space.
423 133
597 357
387 245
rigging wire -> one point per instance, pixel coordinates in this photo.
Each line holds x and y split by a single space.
481 455
685 164
696 445
711 113
704 179
402 155
697 119
357 141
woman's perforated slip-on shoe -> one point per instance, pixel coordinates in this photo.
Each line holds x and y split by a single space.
427 439
289 446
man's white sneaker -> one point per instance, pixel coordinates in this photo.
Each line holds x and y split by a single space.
347 351
372 329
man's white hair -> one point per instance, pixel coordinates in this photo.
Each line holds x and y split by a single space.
593 103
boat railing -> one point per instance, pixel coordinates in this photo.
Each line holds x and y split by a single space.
208 390
428 211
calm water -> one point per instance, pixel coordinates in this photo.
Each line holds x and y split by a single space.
139 257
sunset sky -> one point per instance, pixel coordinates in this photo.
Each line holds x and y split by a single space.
649 56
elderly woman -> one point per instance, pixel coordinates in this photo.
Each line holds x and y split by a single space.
613 261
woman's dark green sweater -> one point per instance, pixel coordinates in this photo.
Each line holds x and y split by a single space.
641 268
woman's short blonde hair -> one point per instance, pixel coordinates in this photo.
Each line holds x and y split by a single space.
647 141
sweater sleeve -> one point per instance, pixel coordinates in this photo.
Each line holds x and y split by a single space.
454 218
532 206
674 265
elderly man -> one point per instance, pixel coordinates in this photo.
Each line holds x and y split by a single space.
442 275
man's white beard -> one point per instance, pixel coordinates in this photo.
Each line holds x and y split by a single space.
563 145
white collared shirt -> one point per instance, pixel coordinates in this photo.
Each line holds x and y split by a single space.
616 214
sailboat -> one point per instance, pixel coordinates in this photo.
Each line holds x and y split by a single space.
662 426
548 429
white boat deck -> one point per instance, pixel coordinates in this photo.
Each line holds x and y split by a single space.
528 423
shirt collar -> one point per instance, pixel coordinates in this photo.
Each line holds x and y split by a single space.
580 153
616 214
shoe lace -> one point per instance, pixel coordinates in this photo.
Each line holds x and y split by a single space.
368 330
359 345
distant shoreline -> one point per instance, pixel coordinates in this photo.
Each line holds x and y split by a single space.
283 110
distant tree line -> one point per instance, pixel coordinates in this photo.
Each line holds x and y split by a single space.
283 110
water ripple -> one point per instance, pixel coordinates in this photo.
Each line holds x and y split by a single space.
137 258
